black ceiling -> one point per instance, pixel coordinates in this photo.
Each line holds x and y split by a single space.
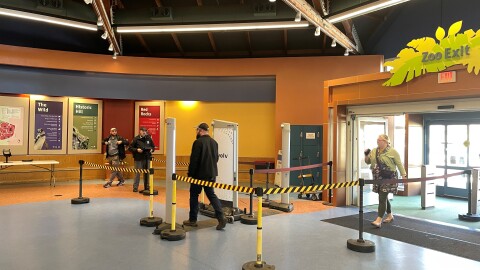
383 32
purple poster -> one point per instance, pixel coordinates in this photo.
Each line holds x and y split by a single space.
48 125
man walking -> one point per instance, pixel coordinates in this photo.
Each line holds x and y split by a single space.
142 148
115 154
203 166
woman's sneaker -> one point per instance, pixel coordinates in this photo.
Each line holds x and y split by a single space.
107 185
121 183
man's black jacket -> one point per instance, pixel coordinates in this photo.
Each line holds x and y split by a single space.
121 147
204 158
145 143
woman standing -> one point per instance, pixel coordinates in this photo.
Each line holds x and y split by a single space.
384 161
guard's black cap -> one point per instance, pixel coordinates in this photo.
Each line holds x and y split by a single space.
203 126
144 129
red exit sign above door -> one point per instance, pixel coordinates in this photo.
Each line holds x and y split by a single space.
447 77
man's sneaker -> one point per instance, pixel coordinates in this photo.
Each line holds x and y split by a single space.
222 222
190 223
107 185
121 183
135 189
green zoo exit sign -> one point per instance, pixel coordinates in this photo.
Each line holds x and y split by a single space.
436 54
448 54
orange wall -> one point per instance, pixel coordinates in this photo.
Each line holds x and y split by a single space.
299 89
255 120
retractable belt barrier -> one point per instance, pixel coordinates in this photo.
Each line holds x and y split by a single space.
293 189
411 180
180 163
116 169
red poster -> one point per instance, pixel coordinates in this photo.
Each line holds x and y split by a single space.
150 118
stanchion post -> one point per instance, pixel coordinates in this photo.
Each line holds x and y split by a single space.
150 184
330 180
266 202
469 216
150 221
151 191
259 263
361 245
173 234
250 218
80 199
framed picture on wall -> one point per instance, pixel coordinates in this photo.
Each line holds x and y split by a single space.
151 115
48 120
84 126
13 124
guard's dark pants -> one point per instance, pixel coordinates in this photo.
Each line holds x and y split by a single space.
209 191
142 164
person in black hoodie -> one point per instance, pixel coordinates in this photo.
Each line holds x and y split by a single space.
142 148
115 151
203 166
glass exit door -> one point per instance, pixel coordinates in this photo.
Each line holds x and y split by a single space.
368 128
452 147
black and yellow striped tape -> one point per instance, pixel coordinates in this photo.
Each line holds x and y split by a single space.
180 163
215 185
294 189
117 169
302 189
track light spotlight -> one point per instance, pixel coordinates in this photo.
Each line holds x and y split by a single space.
318 31
104 35
298 17
99 22
272 1
114 56
88 1
334 43
347 51
110 48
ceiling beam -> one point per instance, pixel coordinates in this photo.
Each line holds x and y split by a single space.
174 36
138 36
212 42
309 13
249 42
178 44
101 12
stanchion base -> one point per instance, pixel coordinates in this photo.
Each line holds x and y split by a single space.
266 203
80 200
178 234
281 206
165 226
147 192
253 265
248 219
327 203
363 246
150 221
469 217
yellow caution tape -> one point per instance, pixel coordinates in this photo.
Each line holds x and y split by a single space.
294 189
176 163
310 188
117 169
215 185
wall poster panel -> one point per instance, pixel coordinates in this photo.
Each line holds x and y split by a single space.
47 125
151 114
84 126
13 124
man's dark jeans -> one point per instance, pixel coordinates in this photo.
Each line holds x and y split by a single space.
195 190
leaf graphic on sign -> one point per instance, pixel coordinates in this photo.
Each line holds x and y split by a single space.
425 55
